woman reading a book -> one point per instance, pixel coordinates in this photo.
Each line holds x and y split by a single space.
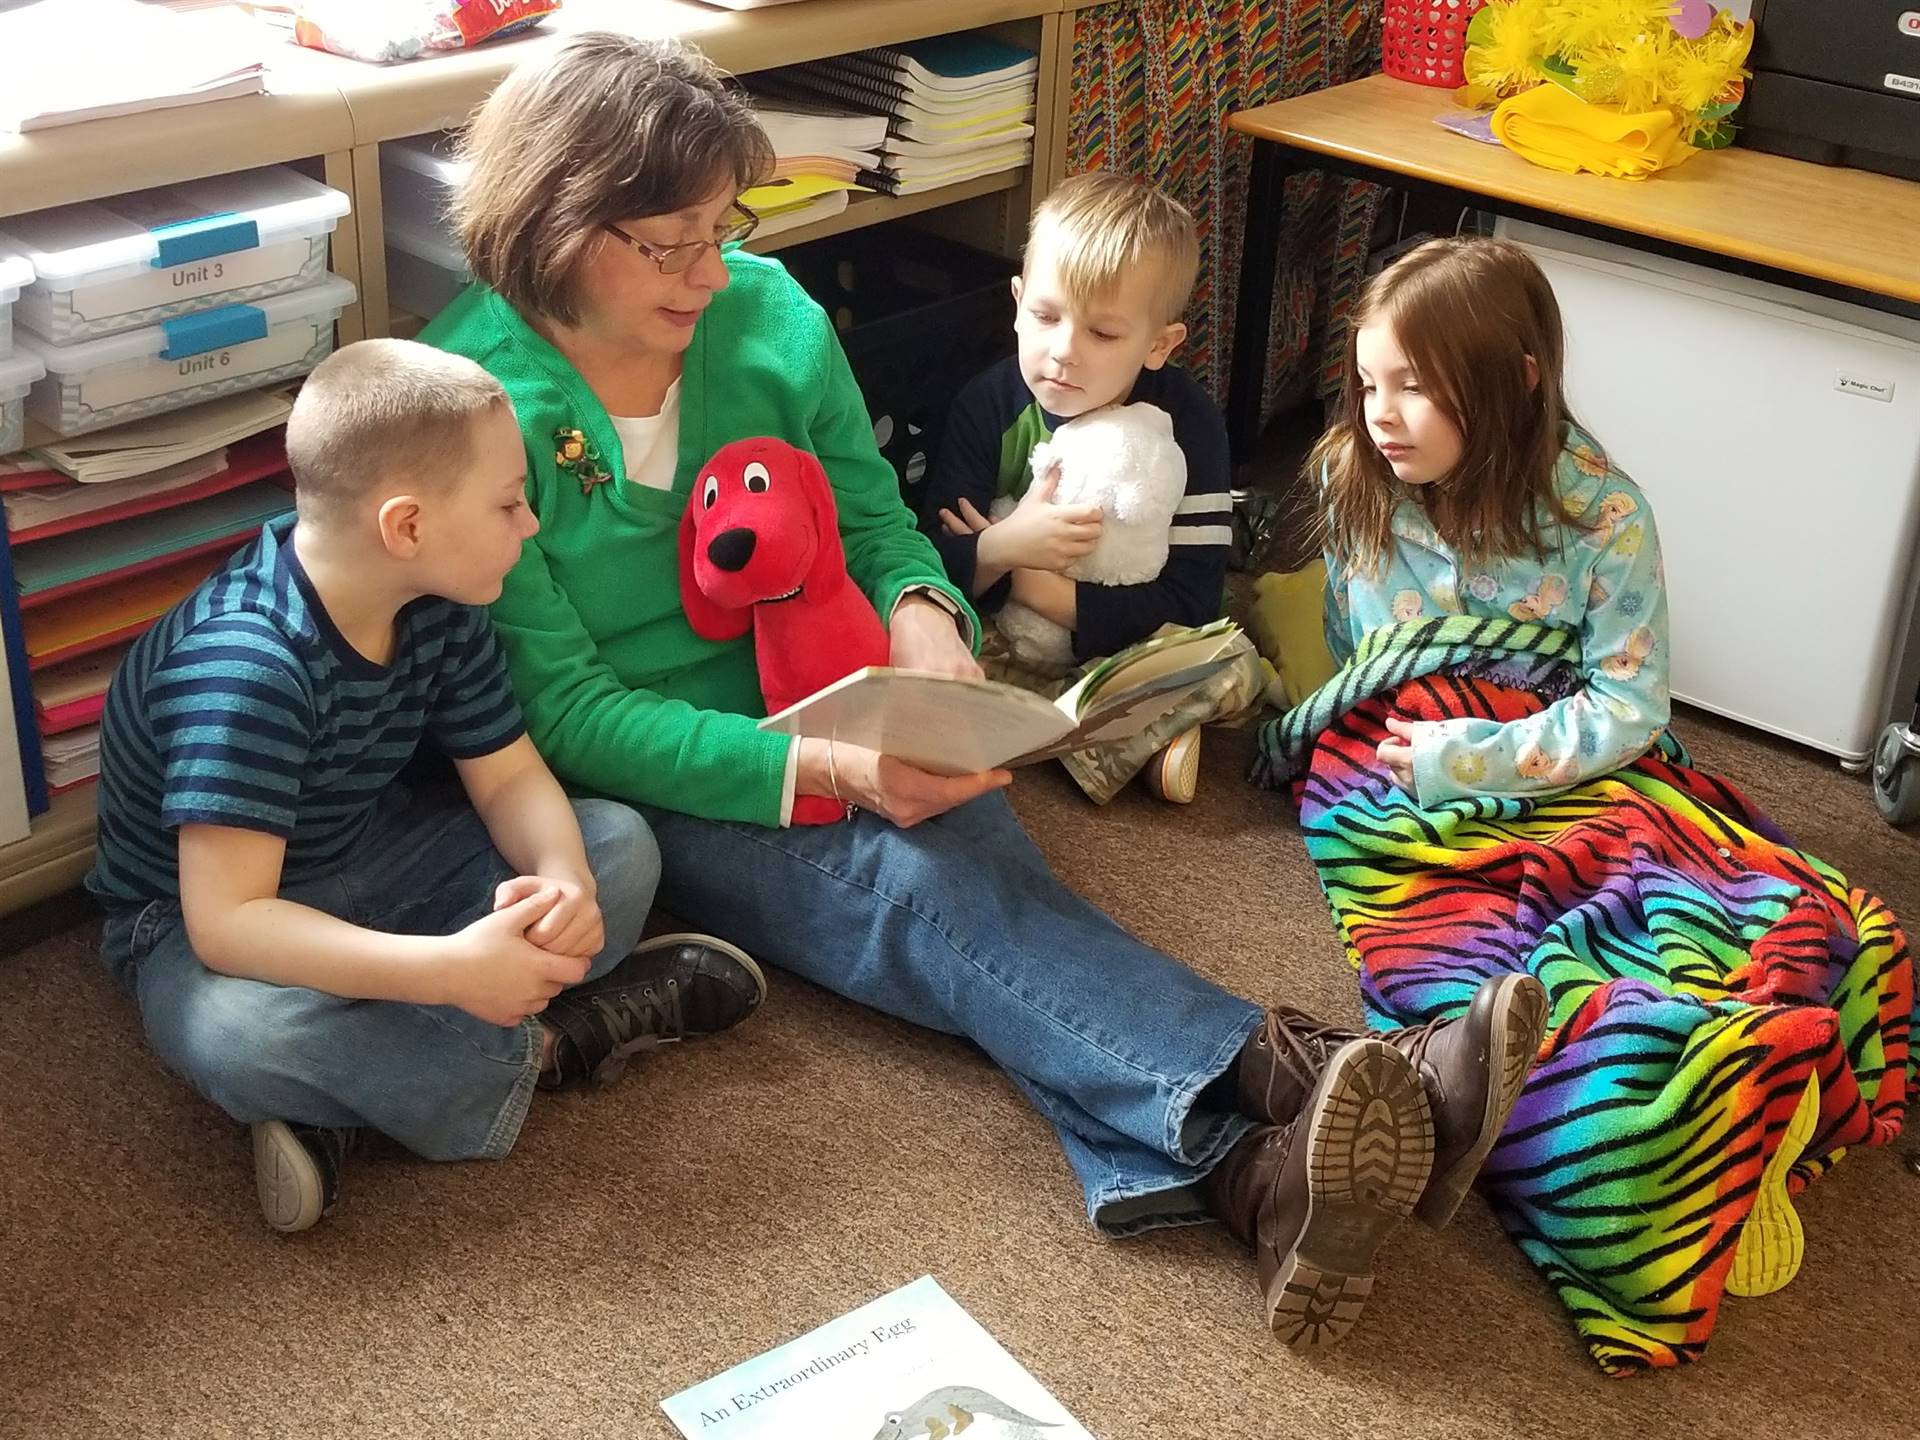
635 341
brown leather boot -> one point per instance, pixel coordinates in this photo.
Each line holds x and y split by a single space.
1473 1068
1317 1197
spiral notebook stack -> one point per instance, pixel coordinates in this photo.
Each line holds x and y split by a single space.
957 106
822 152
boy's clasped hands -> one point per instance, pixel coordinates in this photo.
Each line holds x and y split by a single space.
539 940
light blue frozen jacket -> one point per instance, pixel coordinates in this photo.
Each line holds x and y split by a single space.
1601 577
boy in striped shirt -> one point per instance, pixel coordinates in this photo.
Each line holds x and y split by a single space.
312 946
1109 267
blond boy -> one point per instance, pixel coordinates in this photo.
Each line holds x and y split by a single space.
1109 267
312 947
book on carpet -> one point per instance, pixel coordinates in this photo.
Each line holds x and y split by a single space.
957 727
910 1364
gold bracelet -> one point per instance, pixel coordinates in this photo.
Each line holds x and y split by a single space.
833 775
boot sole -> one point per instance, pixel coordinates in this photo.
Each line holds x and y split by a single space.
1519 1024
712 942
292 1195
1366 1151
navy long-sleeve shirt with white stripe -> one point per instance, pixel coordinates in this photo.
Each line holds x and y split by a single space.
246 707
990 432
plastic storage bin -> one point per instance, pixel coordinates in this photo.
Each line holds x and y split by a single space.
424 268
919 316
17 374
417 179
115 265
186 360
16 272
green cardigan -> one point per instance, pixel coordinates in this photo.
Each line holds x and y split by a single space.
620 695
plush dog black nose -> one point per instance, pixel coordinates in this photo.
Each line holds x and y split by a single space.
731 549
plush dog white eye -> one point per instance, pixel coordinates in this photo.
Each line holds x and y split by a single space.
757 480
710 491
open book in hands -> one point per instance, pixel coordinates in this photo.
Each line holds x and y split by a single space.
958 727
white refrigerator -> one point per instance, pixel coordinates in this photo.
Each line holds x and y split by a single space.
1777 436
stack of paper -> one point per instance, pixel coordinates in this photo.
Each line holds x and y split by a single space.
957 106
72 694
31 511
71 758
108 614
45 569
47 510
69 60
141 447
822 153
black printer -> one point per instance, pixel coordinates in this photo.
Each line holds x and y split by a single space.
1837 81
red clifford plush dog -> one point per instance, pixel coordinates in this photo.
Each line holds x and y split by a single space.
760 546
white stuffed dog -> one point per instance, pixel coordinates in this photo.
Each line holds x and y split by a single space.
1124 459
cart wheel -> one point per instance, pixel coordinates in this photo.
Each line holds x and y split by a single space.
1896 778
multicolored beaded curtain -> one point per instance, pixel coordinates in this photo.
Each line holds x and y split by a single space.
1153 84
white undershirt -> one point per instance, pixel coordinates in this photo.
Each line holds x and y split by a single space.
651 443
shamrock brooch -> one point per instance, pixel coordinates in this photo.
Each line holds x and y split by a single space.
572 453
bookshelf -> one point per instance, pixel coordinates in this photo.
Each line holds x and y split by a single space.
329 116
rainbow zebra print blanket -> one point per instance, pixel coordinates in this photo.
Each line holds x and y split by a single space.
1702 971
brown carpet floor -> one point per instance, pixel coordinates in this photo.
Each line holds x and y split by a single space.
727 1197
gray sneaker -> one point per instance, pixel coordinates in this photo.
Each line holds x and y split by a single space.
296 1170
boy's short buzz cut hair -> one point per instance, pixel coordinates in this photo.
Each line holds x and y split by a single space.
1104 227
378 414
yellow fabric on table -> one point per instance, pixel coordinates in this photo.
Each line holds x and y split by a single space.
1556 128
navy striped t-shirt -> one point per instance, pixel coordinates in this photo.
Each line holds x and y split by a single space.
245 707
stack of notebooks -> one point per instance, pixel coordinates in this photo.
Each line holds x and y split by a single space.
822 153
956 106
104 535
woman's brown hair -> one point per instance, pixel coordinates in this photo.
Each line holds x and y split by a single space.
1469 315
607 128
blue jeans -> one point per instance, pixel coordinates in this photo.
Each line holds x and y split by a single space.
444 1084
958 925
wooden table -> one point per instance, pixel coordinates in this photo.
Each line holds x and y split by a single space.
1834 231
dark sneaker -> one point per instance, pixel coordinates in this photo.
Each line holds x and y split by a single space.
296 1170
1315 1199
1473 1068
672 987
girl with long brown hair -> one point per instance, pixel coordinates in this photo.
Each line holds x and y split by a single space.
1457 482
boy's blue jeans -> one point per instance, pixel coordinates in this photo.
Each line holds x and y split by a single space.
446 1085
958 925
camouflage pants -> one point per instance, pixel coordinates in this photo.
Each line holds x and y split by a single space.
1104 771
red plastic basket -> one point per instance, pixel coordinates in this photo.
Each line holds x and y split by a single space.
1424 40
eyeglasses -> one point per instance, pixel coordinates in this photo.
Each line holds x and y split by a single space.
678 259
